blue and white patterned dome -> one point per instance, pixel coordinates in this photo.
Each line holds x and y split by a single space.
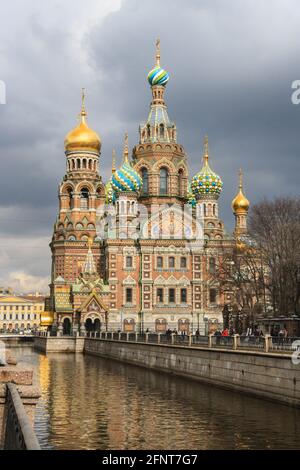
158 76
126 179
206 182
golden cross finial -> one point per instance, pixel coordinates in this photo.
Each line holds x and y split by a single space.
205 150
158 52
83 112
126 152
240 178
113 165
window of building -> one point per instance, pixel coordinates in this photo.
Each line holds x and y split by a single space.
28 316
160 294
129 262
180 183
163 181
145 181
171 262
161 131
183 296
129 295
212 265
84 198
159 261
212 296
172 295
183 262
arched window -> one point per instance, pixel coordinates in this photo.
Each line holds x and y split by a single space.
212 296
180 182
212 265
148 130
78 163
161 131
84 198
145 180
163 181
70 196
84 163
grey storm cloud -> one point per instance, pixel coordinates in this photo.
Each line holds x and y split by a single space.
231 66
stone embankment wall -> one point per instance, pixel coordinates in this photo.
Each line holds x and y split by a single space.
267 375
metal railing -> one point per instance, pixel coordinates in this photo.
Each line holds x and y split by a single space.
19 433
265 343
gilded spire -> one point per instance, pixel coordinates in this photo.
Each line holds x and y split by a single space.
113 164
240 203
205 151
83 111
89 264
82 137
126 151
158 52
240 179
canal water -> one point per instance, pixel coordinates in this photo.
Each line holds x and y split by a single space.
93 403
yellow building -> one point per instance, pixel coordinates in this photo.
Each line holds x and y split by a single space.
20 313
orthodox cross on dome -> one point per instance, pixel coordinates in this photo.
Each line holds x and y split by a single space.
126 151
240 178
83 111
205 151
113 164
158 52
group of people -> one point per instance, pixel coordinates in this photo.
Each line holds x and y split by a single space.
256 332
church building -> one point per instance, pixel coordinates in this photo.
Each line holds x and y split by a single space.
139 252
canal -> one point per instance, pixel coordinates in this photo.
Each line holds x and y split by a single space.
93 403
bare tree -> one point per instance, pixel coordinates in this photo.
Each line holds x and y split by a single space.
275 228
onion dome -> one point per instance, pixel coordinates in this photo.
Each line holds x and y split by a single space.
158 76
126 178
47 319
240 204
190 196
82 138
206 182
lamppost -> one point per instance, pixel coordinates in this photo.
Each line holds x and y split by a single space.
121 320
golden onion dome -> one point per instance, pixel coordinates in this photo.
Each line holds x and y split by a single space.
47 318
82 138
240 203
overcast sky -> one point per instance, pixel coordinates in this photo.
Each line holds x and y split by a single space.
231 66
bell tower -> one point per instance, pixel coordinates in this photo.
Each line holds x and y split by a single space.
80 193
158 158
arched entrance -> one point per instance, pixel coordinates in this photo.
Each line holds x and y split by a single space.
66 326
92 324
97 324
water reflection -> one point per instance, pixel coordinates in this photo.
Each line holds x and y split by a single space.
93 403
